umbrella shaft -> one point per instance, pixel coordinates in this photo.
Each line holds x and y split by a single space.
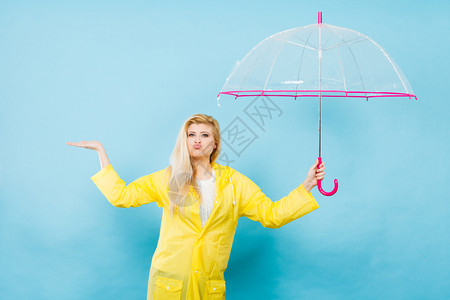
320 125
320 89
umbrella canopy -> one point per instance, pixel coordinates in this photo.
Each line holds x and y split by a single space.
318 58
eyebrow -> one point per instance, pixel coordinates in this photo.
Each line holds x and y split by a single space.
200 131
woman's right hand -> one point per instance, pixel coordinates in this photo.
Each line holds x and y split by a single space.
93 145
315 173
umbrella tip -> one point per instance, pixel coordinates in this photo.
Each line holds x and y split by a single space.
320 17
218 99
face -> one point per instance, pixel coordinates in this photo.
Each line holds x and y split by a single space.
200 141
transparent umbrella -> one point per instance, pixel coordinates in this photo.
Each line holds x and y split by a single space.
318 60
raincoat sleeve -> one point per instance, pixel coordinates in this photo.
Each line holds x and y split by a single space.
255 205
141 191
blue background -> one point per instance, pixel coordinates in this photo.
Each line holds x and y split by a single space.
128 73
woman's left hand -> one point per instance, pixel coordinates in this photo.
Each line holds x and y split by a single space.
314 174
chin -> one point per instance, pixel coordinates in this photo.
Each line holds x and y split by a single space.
199 156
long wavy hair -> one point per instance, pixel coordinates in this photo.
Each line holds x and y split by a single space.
182 169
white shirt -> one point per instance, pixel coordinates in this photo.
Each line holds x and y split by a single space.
208 194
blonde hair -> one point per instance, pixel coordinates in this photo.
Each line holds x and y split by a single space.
183 171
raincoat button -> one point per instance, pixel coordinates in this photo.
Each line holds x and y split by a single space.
214 289
167 288
195 271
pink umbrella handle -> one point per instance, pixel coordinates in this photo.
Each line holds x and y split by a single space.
319 184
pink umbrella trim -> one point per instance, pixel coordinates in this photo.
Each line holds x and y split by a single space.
315 93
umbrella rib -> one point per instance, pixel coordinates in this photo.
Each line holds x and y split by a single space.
271 67
248 72
296 44
312 27
391 62
354 59
242 61
301 61
340 64
355 40
342 70
325 27
385 54
359 72
339 55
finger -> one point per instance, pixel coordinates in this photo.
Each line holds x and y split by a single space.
80 144
320 171
320 175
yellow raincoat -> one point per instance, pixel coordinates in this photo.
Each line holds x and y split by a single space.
190 260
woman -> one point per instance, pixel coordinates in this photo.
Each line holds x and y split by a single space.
202 202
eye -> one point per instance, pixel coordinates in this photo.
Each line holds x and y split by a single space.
191 134
205 135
